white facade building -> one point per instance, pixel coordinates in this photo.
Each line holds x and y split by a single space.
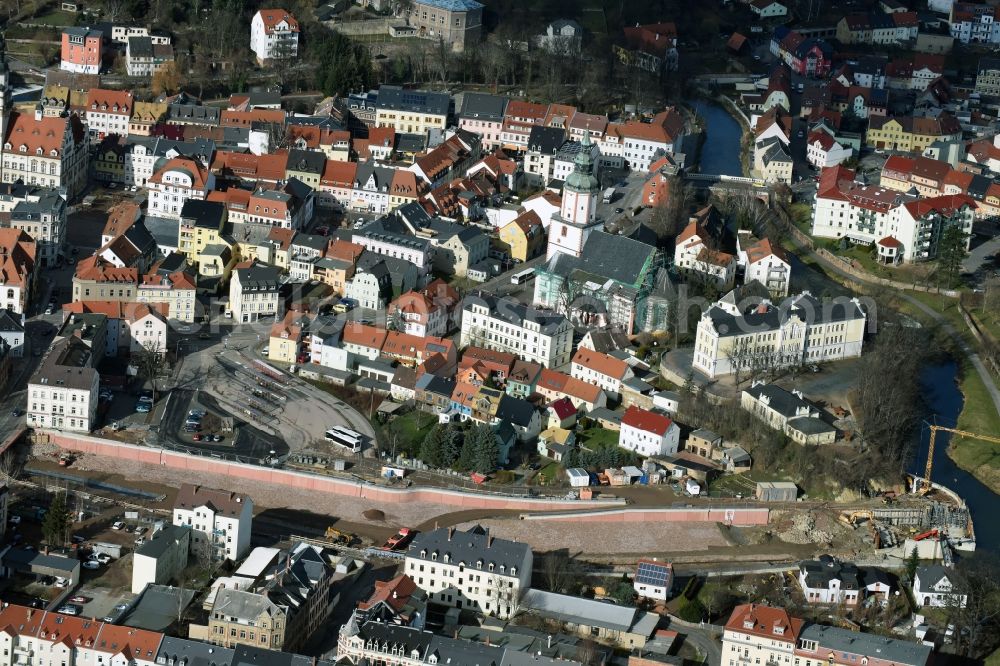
63 391
734 336
470 570
274 35
253 292
174 183
648 433
932 587
220 521
508 326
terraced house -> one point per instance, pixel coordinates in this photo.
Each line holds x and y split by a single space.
910 133
108 112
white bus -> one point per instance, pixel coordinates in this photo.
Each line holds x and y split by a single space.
522 276
345 437
609 194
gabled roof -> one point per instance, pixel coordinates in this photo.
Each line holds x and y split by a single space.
223 502
272 17
601 363
647 421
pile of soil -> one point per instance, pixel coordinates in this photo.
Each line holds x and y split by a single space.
373 514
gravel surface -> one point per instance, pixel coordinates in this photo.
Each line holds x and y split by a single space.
607 537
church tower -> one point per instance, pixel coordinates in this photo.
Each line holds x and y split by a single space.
577 216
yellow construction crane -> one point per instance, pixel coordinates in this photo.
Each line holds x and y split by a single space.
930 450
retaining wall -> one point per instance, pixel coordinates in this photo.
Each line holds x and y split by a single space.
323 484
742 516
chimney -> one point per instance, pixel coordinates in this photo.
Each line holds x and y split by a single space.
451 533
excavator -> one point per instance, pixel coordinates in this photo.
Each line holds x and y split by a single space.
925 487
336 536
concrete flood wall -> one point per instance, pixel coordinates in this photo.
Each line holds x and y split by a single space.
741 516
324 484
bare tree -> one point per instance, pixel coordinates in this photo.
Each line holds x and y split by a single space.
149 362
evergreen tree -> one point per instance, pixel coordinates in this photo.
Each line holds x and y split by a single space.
450 446
912 562
431 447
484 449
56 523
951 252
466 457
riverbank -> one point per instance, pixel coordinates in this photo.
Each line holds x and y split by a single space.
979 411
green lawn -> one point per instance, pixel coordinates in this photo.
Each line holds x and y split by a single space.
56 18
993 659
801 214
549 473
412 428
978 415
598 438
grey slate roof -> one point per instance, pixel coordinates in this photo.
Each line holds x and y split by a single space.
602 257
805 306
205 214
259 276
194 653
889 650
930 575
469 547
483 106
515 410
546 140
820 572
421 101
784 402
309 161
515 313
810 425
194 113
162 541
9 322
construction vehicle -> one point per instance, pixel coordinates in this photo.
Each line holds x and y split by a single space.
853 517
335 535
926 486
399 539
925 535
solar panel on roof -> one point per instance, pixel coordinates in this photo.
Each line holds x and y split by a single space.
652 574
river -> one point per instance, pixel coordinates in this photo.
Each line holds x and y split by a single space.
944 401
720 153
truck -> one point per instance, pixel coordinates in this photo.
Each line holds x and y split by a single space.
399 539
609 195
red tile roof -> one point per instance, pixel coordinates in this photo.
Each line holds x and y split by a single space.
272 17
765 622
601 363
646 421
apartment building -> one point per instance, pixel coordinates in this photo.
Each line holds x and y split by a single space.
470 570
174 183
412 111
416 313
281 608
911 134
458 22
735 336
62 393
176 291
483 114
254 292
144 57
903 227
829 581
42 215
220 521
274 35
601 370
508 326
97 279
46 150
758 633
648 433
108 112
764 262
81 50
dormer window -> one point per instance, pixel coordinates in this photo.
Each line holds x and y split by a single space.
748 623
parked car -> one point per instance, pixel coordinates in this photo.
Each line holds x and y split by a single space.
197 413
91 564
15 520
69 609
143 408
17 412
119 525
103 558
139 530
141 540
79 599
196 437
